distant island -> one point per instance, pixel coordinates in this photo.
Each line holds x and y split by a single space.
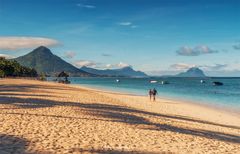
192 72
123 72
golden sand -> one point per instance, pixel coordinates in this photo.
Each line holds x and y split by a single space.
42 117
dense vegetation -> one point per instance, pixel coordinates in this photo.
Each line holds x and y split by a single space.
11 68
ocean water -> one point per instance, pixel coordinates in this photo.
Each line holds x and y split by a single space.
188 89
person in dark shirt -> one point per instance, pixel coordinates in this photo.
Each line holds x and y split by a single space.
154 93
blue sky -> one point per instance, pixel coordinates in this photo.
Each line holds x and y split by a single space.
155 36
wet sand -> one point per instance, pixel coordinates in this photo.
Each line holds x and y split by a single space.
42 117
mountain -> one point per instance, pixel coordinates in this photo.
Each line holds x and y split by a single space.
192 72
43 60
124 72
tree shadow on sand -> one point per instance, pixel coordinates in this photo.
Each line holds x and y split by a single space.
114 151
27 88
27 95
126 116
43 103
17 88
12 144
116 113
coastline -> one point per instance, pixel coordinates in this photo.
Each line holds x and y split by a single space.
47 117
188 105
226 109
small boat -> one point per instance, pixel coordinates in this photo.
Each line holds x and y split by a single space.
202 81
164 82
153 81
117 80
216 83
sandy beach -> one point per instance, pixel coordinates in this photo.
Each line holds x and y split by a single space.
43 117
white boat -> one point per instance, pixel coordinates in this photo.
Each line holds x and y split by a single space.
153 81
202 81
117 80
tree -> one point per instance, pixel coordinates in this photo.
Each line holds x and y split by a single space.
11 68
42 77
2 74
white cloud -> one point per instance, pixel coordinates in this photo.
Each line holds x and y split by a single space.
134 26
216 67
109 65
128 24
86 6
6 56
81 63
125 23
16 43
97 65
196 51
69 54
121 65
181 66
115 66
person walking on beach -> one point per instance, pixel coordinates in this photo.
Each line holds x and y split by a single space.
150 93
154 93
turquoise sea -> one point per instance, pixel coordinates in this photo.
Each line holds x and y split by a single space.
188 89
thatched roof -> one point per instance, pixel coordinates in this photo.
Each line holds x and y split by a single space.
63 74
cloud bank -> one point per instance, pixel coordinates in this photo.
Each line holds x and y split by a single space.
216 67
87 63
181 66
6 56
17 43
97 65
119 65
196 51
69 54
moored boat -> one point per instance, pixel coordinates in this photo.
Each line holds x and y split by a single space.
216 83
153 81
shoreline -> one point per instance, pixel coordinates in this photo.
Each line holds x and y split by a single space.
48 117
226 109
191 104
218 104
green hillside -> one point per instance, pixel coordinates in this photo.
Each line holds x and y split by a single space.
10 68
44 61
